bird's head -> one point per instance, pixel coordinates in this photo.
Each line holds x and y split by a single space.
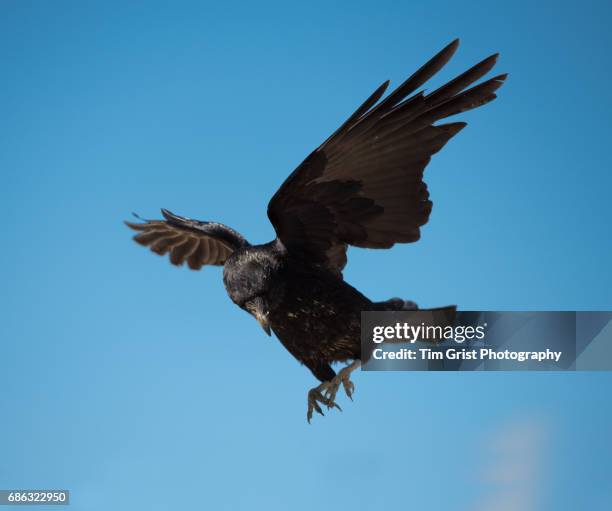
258 307
251 280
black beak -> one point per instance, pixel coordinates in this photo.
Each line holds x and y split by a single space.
260 311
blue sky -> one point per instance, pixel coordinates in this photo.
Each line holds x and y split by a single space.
138 385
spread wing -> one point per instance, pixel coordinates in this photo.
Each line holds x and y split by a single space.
364 185
198 243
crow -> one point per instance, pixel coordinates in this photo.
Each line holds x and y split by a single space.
363 187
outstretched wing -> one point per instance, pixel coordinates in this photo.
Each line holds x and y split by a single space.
364 185
198 243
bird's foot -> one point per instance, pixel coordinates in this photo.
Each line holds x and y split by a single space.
343 377
326 392
315 396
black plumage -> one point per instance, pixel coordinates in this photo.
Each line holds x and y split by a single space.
363 187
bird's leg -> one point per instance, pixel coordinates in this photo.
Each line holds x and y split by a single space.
315 396
343 377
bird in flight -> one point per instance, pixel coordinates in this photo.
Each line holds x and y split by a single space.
363 187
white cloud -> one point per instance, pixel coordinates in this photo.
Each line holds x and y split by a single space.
514 469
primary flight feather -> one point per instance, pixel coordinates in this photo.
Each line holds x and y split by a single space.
363 187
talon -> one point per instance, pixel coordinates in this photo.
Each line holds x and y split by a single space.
345 376
332 389
349 388
315 397
313 405
326 392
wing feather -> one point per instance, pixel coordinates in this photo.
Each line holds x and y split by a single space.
364 185
195 242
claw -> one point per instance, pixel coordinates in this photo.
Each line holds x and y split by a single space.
331 390
313 406
326 392
315 397
349 387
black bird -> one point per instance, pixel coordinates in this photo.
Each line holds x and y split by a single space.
363 187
